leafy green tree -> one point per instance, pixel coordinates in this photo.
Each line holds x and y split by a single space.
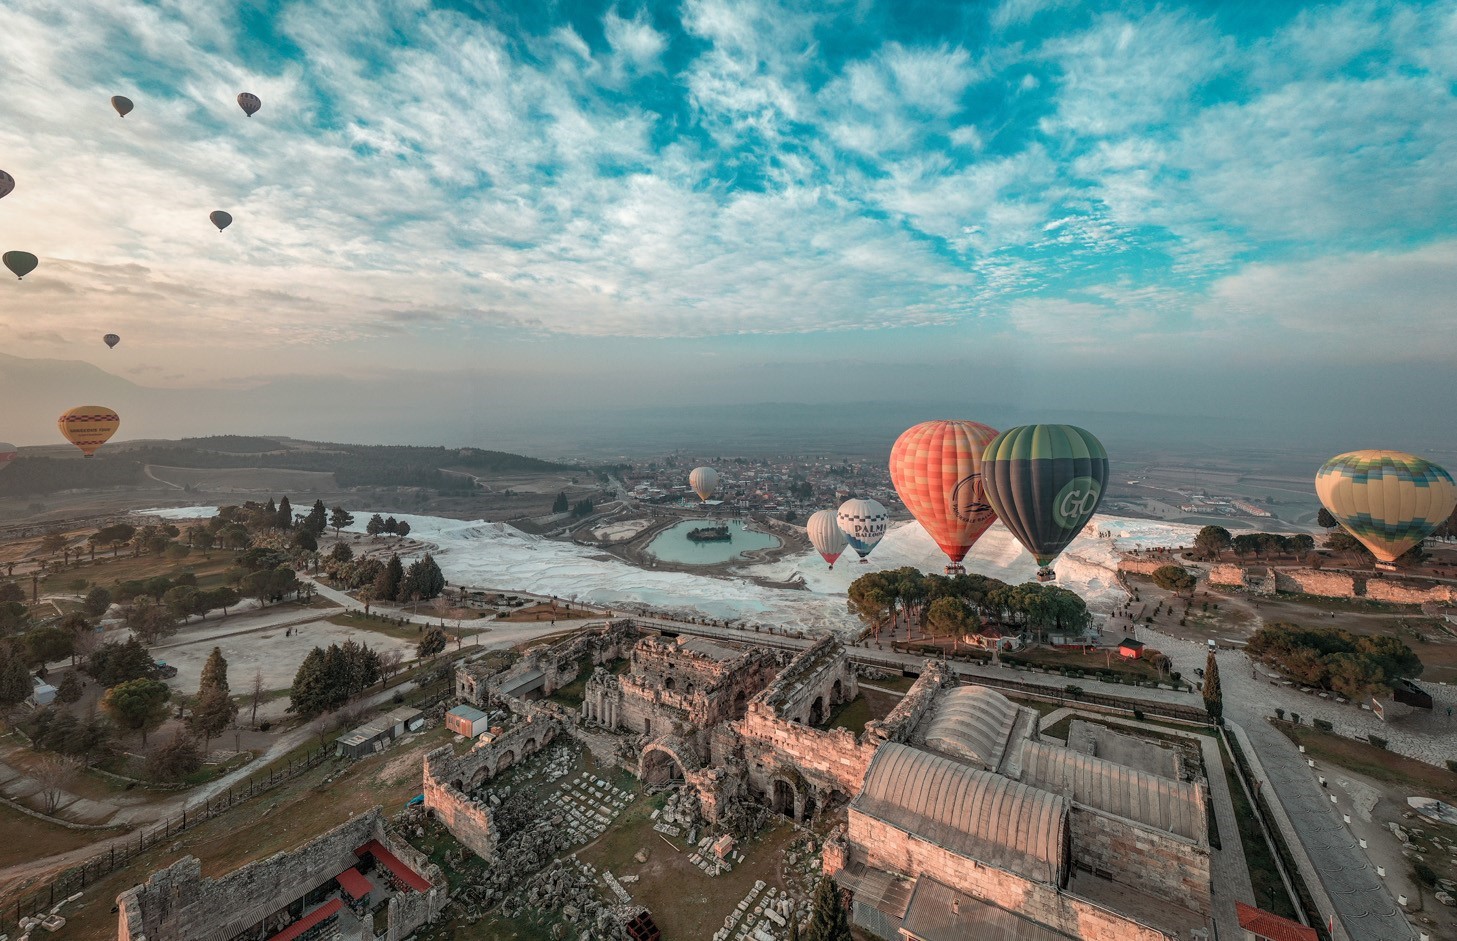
285 514
98 600
15 684
582 508
1325 520
223 597
70 689
311 693
1211 541
424 580
137 705
150 621
48 644
391 525
1344 542
183 601
114 663
375 526
115 536
952 617
402 528
1213 693
341 552
432 643
340 518
1174 578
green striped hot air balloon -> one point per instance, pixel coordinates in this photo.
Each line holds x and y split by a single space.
1390 500
1044 482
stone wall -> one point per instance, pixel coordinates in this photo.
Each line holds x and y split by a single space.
560 663
1141 566
1380 589
882 846
449 778
1315 582
1326 584
1225 575
1161 864
901 721
178 904
815 681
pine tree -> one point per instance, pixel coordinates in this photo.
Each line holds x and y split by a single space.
560 505
391 525
310 694
285 513
270 510
70 689
828 921
1213 695
15 685
214 672
336 676
375 526
340 518
387 586
318 519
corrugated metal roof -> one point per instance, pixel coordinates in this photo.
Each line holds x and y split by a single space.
888 892
469 713
975 814
940 913
972 723
525 683
1171 806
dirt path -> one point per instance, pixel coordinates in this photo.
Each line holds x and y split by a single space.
147 469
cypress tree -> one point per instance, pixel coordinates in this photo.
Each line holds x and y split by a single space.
375 526
391 580
214 672
310 694
318 519
285 513
1213 695
828 921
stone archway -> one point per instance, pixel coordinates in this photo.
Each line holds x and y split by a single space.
837 693
507 759
528 746
807 811
661 767
741 704
669 683
817 714
781 797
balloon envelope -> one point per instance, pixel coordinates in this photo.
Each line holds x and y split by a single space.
250 103
20 263
111 340
7 454
1389 500
863 522
88 427
936 469
704 481
220 219
825 535
1045 482
7 184
122 104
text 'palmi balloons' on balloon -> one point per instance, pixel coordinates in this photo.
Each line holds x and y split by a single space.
20 263
704 481
936 469
7 454
111 340
1390 500
1045 482
122 104
863 522
7 184
220 219
88 427
825 535
249 102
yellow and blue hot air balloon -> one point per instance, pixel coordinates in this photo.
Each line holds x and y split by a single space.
1044 482
1390 500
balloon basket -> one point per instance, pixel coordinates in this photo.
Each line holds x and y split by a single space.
1046 575
1386 567
955 568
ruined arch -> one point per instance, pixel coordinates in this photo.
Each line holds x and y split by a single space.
505 760
817 713
741 704
837 693
528 747
781 797
660 765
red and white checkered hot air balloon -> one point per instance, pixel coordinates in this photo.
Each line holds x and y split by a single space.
936 469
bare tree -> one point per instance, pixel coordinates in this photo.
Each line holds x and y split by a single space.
255 696
389 665
54 773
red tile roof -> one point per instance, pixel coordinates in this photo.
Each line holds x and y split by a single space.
308 921
354 884
1267 925
392 862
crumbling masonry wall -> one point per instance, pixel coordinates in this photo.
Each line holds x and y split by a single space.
1161 864
559 663
449 779
179 904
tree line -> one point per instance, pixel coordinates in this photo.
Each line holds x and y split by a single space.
1353 665
329 677
878 598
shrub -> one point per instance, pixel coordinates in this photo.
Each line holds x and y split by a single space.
1280 714
1295 717
1322 724
1138 715
1424 873
1376 740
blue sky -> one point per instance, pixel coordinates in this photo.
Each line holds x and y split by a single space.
759 196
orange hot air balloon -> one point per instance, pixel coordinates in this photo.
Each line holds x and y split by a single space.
88 427
936 469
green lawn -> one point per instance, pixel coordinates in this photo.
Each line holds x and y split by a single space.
1269 888
407 632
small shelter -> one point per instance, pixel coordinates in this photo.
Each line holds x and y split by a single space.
467 720
379 732
1130 649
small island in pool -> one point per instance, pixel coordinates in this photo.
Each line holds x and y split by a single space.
710 534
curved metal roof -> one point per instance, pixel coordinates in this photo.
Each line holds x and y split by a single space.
972 813
972 723
1156 802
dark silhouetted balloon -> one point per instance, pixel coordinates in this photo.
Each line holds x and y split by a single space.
249 103
220 219
7 184
122 104
111 340
20 263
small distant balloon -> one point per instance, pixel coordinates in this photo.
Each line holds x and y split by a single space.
7 184
704 481
220 219
111 340
7 454
88 427
249 102
122 104
20 263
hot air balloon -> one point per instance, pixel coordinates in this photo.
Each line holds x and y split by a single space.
111 340
1044 482
88 427
826 536
7 184
1389 500
7 454
936 469
249 102
220 219
20 263
122 104
863 522
704 481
